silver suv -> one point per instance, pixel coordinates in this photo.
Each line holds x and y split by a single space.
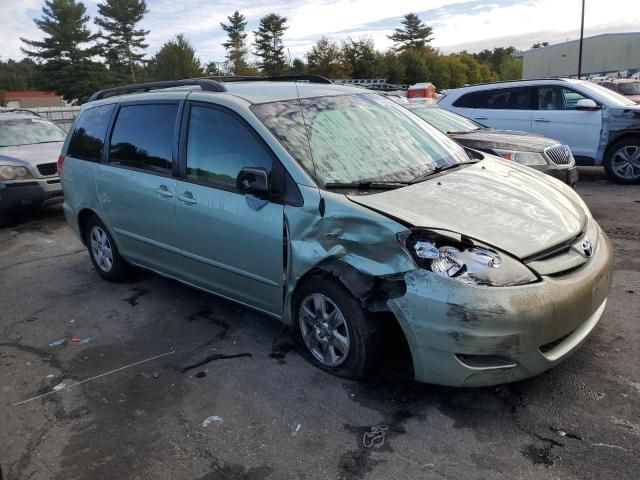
29 149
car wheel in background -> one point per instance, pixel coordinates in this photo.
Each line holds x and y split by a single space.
338 334
103 251
622 163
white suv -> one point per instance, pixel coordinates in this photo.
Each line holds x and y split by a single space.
601 126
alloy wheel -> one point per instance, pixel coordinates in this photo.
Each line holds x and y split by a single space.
626 162
101 249
324 329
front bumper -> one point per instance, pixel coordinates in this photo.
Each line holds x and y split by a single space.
29 193
463 335
568 175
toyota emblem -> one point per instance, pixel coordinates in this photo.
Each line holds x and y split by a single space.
587 248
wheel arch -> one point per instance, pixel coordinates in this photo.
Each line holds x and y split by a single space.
626 135
372 292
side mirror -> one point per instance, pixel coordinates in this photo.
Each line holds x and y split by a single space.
586 104
254 181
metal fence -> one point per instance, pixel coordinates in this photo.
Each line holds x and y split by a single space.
62 116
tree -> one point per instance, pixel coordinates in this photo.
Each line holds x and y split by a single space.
540 45
123 44
390 66
325 58
298 67
415 66
236 44
22 75
414 34
67 51
269 45
363 58
176 60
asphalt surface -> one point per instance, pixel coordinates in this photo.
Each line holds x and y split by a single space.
275 416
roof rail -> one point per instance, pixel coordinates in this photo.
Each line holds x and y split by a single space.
9 110
276 78
206 84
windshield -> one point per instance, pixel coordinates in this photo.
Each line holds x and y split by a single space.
610 96
631 88
446 122
358 138
26 131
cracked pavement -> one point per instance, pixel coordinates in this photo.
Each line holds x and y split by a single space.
578 421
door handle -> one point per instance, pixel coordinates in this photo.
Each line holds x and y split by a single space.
187 197
481 118
541 120
163 191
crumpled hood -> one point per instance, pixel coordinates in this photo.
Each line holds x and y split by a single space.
511 207
490 138
32 154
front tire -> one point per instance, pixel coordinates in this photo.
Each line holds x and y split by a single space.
340 337
622 164
103 252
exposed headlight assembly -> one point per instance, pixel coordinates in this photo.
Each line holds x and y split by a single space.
463 259
523 158
10 172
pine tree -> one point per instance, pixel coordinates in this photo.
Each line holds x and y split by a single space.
65 25
122 43
66 51
236 44
269 45
176 60
415 33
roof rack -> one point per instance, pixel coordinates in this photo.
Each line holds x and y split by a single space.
276 78
9 110
206 84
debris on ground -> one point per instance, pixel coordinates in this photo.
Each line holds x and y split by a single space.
209 420
295 428
201 374
57 342
375 437
156 374
60 386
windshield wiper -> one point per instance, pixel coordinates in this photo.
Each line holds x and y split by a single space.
379 185
441 168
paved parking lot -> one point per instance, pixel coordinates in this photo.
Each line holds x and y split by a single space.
274 415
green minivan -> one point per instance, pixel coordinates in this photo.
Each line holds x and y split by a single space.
343 215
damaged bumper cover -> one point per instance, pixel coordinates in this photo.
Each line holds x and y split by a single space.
462 335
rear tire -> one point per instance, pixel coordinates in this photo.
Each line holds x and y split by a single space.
622 163
337 334
103 251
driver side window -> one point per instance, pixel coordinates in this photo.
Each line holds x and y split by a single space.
558 98
219 145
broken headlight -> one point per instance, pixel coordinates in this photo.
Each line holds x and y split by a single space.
458 257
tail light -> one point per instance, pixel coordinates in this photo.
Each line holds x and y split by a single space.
60 162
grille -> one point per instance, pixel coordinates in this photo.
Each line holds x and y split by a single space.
48 169
560 154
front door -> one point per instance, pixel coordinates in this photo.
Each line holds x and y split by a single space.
557 118
232 245
136 188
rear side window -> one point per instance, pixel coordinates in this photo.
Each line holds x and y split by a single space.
87 140
499 99
219 145
142 137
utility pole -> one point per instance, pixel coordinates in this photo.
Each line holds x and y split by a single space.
581 38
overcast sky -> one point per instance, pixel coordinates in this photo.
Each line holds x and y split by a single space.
458 24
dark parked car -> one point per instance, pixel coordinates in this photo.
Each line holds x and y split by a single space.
535 151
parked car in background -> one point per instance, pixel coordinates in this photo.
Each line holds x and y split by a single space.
600 126
535 151
627 87
29 150
344 215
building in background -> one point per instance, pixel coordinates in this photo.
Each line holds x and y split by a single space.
32 99
604 54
